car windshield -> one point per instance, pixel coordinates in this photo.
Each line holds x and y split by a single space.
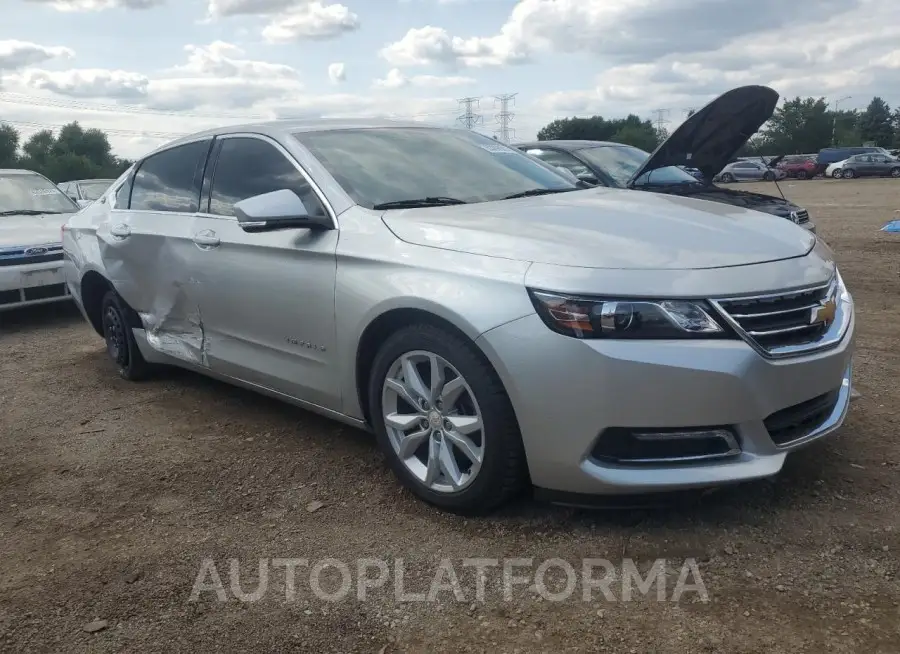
29 193
621 162
93 190
378 166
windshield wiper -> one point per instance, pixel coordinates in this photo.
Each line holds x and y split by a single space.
436 201
538 191
26 212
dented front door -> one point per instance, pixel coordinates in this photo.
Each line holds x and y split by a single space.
266 299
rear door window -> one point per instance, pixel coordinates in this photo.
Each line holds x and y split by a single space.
170 180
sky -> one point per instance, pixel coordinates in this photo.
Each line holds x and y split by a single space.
149 71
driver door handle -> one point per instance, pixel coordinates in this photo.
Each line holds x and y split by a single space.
120 231
206 239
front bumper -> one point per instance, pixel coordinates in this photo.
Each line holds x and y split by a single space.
32 284
566 392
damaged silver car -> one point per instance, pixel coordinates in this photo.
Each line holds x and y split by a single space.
495 325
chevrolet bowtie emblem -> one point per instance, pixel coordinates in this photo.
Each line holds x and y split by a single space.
824 313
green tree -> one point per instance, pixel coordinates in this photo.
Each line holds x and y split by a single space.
799 126
73 153
875 123
630 130
9 146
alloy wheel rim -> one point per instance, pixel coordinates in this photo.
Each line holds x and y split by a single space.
433 421
114 330
895 172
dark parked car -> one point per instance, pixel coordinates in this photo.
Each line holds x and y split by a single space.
870 165
828 156
706 141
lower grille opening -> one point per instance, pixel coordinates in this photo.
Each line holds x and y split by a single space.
654 446
44 292
10 297
797 421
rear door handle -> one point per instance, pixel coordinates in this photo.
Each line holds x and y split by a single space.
206 239
120 231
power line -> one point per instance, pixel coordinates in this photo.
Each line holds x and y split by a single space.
504 118
115 132
469 118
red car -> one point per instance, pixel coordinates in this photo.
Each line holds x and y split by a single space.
800 167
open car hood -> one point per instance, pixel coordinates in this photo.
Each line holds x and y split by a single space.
710 138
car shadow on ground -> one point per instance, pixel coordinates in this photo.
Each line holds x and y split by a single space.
56 314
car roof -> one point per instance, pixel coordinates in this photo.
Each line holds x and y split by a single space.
79 181
568 145
283 127
19 171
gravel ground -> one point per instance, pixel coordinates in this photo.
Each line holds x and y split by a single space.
113 494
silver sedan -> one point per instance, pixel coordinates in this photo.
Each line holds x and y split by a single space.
495 326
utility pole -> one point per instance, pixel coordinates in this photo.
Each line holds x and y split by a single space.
504 118
469 118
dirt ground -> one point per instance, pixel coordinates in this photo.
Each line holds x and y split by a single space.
112 494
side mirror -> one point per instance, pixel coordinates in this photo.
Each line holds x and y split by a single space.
281 209
589 179
82 203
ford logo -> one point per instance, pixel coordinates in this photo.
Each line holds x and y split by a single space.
33 252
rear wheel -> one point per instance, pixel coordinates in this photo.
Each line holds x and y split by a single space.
895 172
120 343
444 421
849 174
769 176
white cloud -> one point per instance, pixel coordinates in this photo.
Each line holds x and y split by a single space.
19 54
337 73
99 5
395 79
89 83
311 21
625 30
223 8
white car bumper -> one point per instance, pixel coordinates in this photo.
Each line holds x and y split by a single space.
27 280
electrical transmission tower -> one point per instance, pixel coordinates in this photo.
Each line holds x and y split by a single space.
661 119
469 118
504 118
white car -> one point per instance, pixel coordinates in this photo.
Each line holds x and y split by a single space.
834 170
32 213
85 191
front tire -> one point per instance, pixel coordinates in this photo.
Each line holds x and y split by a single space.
444 422
801 174
895 172
837 174
769 177
120 343
727 178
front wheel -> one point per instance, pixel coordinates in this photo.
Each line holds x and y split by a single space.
120 343
769 177
801 174
837 174
444 422
728 178
895 172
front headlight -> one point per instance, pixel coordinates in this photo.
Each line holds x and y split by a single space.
627 319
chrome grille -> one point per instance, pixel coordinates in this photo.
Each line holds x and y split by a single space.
784 319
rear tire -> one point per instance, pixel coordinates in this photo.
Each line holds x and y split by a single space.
120 343
895 172
502 471
848 174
